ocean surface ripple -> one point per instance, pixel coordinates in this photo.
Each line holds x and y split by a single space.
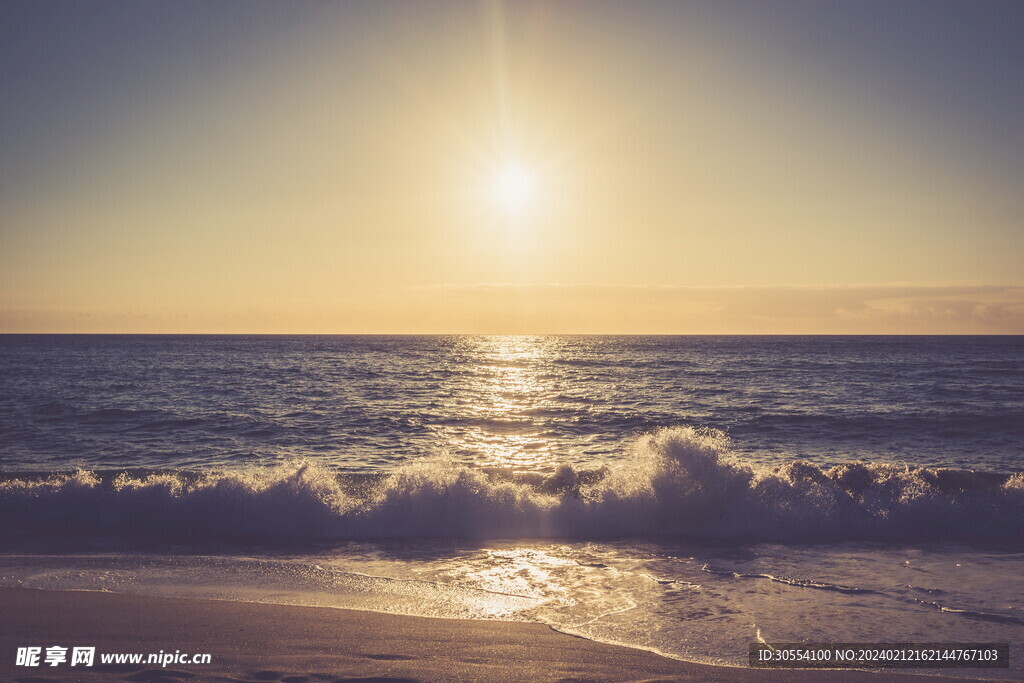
370 404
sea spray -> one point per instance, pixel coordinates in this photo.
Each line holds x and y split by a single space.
680 482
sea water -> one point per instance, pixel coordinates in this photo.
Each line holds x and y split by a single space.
688 495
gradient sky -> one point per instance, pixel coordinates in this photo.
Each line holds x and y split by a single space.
325 167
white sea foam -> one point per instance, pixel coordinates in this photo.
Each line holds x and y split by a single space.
679 482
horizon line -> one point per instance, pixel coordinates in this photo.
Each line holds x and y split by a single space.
512 334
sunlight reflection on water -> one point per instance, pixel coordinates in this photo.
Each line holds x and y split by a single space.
512 387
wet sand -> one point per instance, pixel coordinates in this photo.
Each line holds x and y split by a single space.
258 642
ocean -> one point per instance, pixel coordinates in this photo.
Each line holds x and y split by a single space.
686 495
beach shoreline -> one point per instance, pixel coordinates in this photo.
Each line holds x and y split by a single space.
258 641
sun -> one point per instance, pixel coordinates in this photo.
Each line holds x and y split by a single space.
513 187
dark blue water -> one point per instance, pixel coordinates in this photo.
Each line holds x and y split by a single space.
530 403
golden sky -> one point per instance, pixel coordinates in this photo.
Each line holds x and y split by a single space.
417 167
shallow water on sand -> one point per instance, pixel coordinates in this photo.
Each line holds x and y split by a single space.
702 603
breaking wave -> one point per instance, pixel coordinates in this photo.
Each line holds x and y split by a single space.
680 482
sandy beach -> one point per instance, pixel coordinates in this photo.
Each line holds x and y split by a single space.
259 642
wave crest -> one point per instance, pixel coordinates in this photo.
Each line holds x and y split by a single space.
680 482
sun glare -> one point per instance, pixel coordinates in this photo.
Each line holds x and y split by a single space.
513 187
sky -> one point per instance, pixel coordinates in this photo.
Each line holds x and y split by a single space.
725 167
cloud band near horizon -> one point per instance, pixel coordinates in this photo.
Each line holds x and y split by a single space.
559 308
